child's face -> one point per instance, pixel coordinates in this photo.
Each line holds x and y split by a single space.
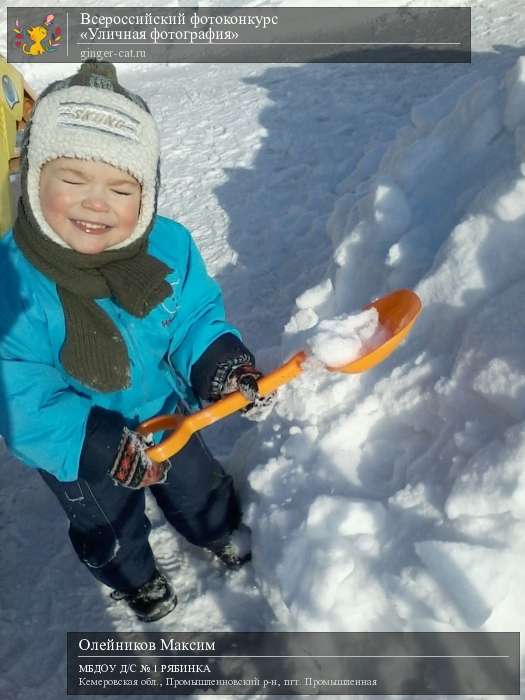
75 193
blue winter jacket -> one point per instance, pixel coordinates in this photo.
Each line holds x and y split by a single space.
44 411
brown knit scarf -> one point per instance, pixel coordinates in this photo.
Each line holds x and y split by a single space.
94 351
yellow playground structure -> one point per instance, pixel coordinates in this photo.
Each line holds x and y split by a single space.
16 102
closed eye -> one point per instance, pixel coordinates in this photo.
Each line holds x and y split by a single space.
71 182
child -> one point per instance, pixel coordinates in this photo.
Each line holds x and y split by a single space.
112 319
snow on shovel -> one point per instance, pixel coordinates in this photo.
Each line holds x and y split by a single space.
397 313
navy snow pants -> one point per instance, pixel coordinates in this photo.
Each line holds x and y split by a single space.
109 528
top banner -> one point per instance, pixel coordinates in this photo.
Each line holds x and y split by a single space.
239 34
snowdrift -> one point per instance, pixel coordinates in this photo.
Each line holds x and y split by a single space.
396 500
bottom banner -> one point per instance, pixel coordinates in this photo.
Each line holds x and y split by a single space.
293 663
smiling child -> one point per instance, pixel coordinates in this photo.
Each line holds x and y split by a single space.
113 320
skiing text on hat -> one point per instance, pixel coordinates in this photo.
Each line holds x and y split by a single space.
89 115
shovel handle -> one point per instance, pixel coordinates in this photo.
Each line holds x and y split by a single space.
235 401
184 426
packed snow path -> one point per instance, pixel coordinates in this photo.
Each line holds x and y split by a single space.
390 501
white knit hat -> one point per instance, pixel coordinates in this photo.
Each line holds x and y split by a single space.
91 116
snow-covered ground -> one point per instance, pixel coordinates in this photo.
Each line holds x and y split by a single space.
392 500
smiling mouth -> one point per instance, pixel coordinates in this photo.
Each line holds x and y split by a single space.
87 227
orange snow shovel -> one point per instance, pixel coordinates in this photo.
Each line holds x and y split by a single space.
397 314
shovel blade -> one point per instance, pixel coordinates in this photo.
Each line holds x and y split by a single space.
397 314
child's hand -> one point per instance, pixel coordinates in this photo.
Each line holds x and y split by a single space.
244 379
157 473
132 467
240 374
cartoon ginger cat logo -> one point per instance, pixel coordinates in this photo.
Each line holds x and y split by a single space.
38 35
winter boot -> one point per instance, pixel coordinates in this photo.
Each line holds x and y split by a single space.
152 600
234 550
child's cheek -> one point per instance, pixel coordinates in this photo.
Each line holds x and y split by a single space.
56 202
51 199
129 215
